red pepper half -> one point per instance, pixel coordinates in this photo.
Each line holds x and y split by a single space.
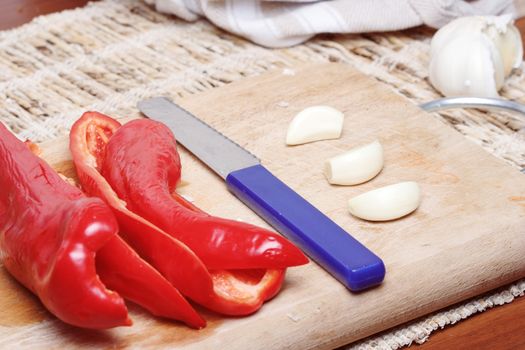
121 269
233 292
70 239
49 235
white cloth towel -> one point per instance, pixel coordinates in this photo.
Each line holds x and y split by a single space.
279 23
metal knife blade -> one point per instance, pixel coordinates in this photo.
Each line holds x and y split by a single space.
220 153
323 240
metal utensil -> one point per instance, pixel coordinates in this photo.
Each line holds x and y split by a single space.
474 102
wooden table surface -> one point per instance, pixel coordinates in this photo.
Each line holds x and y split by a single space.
500 328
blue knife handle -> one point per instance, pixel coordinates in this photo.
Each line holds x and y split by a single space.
319 237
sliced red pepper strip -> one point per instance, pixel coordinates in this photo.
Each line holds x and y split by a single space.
171 258
228 294
242 292
49 235
142 165
121 269
258 282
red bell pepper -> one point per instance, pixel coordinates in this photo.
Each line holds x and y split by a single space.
56 241
49 234
233 292
120 268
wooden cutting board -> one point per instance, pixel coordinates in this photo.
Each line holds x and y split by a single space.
467 237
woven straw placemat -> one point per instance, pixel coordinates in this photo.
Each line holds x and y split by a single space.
112 53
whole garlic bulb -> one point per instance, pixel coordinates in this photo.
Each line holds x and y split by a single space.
472 56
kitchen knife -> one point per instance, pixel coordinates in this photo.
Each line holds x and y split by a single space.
323 240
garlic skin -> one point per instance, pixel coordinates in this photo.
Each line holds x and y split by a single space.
472 56
386 203
314 124
355 166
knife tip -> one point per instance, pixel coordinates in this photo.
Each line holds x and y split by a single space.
143 105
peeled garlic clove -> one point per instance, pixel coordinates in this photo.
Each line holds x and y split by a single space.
355 166
386 203
314 124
